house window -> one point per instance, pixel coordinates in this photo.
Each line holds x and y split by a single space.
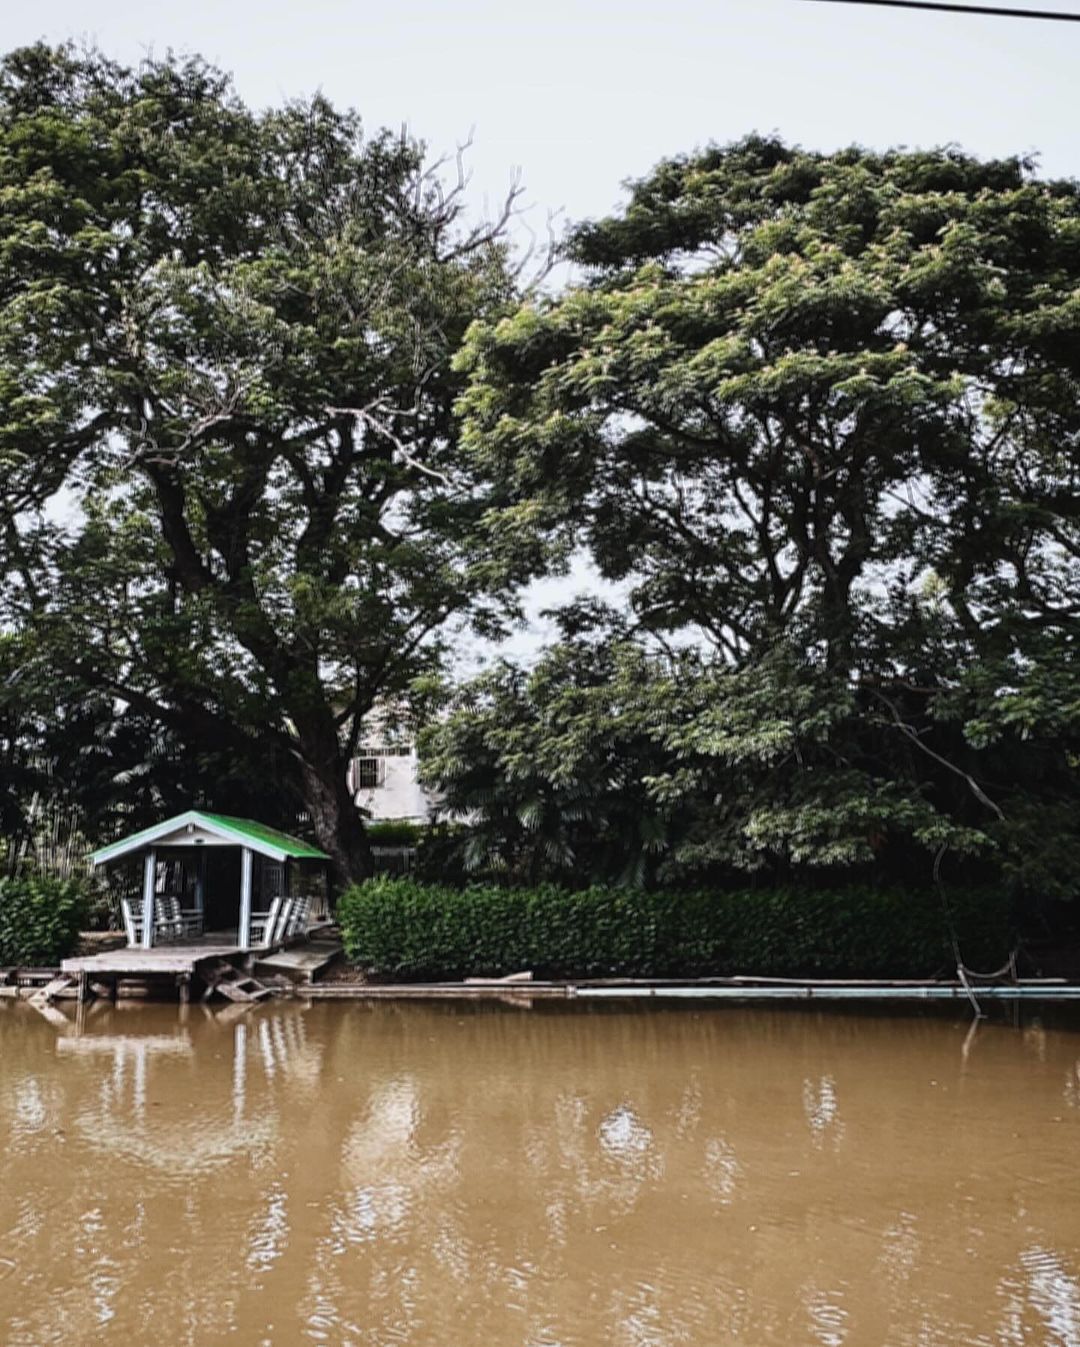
367 773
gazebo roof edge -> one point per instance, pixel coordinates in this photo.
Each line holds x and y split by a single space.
244 832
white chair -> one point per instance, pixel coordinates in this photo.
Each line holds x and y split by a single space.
132 910
264 925
284 917
298 918
173 922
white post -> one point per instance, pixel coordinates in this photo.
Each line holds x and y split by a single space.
243 935
149 885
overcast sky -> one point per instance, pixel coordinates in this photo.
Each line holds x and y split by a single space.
580 96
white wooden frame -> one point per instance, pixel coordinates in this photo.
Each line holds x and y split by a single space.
160 917
149 896
243 932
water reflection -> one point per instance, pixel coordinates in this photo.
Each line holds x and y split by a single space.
822 1110
426 1174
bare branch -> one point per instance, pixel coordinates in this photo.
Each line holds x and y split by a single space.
909 732
369 417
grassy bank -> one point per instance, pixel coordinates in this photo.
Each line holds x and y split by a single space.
401 928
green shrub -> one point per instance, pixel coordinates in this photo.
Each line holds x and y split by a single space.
395 833
40 919
440 855
408 929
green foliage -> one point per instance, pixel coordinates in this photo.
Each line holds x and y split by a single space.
402 928
547 765
609 762
225 337
40 919
819 414
440 854
395 833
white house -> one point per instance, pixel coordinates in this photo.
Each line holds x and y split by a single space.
383 780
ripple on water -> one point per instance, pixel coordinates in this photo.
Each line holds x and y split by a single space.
384 1175
1054 1293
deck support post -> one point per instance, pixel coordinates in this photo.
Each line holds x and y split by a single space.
149 885
243 934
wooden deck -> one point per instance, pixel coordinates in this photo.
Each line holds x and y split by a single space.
163 960
303 964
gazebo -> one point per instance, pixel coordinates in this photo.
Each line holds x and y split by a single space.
209 876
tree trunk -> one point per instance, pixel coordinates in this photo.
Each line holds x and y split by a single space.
336 821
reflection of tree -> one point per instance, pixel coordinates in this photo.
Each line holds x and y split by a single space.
436 1174
157 1128
754 1175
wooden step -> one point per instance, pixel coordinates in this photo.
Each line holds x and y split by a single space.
303 964
233 985
53 989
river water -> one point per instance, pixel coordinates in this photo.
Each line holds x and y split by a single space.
446 1174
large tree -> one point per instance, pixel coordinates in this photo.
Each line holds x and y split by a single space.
232 494
550 765
821 414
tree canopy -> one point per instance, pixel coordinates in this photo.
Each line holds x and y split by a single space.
232 495
819 413
276 422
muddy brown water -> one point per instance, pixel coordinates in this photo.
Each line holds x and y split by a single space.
436 1175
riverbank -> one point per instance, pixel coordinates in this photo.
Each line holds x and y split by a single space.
318 970
29 984
726 989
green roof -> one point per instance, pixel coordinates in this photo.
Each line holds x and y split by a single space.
267 841
259 832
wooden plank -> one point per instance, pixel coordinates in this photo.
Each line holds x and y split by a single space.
176 956
304 963
454 991
52 989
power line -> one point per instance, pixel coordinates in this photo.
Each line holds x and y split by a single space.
997 11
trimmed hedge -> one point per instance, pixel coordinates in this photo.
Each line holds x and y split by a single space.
395 833
407 929
40 919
